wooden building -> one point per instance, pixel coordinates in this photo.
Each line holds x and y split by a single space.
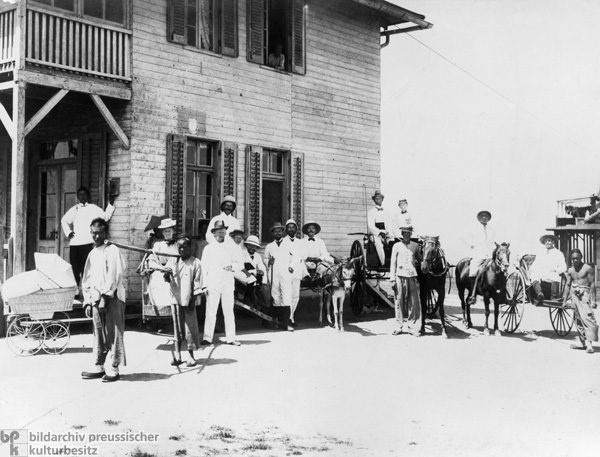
172 104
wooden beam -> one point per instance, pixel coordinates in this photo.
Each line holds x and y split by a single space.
111 121
41 114
76 85
7 122
7 85
18 203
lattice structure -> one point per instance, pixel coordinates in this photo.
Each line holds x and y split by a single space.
297 189
228 172
177 190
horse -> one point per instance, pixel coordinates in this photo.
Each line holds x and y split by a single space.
434 269
334 282
490 283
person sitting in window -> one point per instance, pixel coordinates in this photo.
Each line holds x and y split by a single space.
276 58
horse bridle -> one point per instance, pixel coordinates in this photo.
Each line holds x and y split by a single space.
438 255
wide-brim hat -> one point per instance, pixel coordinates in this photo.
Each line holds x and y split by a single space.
377 194
277 225
219 225
402 200
230 199
253 240
543 238
291 221
167 223
236 232
155 222
406 228
481 213
305 227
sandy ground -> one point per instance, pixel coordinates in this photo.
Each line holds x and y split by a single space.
318 392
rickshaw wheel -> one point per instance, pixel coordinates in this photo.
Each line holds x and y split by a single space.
25 336
562 320
57 337
357 290
516 297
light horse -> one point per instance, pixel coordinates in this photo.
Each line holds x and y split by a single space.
434 269
333 282
490 283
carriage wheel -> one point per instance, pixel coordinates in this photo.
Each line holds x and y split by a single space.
25 336
562 320
358 286
432 302
57 337
516 297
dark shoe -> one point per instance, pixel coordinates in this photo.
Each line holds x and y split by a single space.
540 299
205 343
107 378
92 374
176 362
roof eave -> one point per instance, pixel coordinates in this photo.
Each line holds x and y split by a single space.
391 14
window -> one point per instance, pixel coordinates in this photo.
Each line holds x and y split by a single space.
274 196
108 10
199 182
199 174
55 150
276 34
205 24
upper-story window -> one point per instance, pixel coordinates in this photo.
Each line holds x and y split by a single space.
204 24
277 34
107 10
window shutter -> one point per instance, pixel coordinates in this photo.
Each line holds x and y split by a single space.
298 37
176 178
297 187
255 32
229 28
253 189
228 167
176 21
93 166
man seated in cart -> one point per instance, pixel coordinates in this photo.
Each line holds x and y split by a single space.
379 224
546 269
581 286
318 258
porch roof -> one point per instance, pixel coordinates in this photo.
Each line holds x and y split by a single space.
577 228
390 14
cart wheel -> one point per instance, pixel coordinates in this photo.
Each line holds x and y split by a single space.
57 337
562 320
357 291
25 336
516 297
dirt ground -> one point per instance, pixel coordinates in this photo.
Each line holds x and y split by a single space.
317 392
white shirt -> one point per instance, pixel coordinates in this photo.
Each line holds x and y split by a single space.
103 274
283 255
215 259
187 280
375 215
78 220
548 265
230 222
402 262
483 242
315 249
257 261
402 220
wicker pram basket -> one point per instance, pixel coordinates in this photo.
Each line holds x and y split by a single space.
43 303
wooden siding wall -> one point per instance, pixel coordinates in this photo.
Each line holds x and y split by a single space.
331 114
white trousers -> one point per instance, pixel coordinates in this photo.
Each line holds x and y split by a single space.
379 248
282 290
214 297
295 297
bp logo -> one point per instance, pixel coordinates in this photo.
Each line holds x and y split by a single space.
13 443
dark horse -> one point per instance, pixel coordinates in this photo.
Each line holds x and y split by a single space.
434 269
490 284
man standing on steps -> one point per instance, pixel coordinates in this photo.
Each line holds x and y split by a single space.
228 206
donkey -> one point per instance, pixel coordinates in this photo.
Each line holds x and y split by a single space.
336 280
490 283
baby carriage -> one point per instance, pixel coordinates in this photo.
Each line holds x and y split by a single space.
37 301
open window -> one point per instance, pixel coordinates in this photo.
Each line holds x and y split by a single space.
204 24
107 10
199 174
276 34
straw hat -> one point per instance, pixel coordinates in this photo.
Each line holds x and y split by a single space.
277 225
167 223
377 194
236 232
219 225
548 236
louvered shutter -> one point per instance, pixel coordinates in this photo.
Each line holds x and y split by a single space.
298 57
297 187
176 178
93 166
229 28
227 170
177 20
255 31
253 190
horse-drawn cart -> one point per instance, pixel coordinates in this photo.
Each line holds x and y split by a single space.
370 277
519 292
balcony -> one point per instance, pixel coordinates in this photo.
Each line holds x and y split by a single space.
57 41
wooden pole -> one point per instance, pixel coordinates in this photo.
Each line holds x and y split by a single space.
2 318
18 209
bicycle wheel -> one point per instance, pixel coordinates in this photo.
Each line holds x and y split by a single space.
25 336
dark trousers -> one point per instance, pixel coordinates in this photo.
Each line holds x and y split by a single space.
77 257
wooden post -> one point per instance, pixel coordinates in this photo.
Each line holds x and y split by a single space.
18 209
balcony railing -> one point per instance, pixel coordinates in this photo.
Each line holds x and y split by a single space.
67 43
